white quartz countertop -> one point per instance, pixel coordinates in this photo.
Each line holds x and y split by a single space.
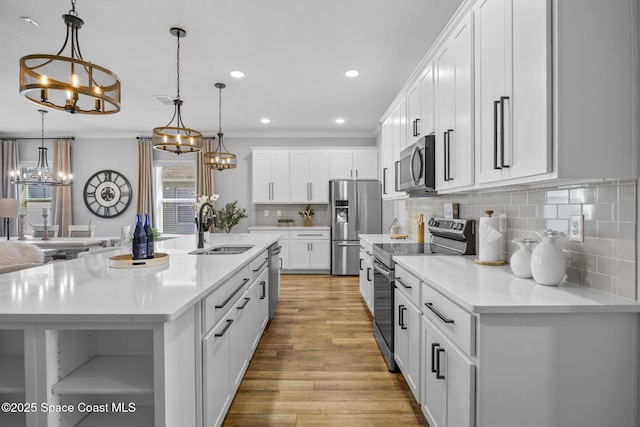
86 289
372 239
294 227
486 289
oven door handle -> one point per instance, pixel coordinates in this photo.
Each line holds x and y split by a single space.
381 269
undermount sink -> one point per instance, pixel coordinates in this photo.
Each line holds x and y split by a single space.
222 250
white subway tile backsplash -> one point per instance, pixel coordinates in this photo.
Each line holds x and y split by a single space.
606 260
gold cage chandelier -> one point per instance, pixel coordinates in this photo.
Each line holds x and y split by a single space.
42 173
220 159
69 83
177 138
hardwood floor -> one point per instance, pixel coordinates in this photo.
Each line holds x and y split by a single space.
318 364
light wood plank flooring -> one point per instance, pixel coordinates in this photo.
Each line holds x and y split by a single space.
318 364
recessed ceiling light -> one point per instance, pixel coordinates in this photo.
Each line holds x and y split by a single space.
339 121
237 74
352 72
265 121
29 21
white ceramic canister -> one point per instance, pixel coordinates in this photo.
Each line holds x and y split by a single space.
520 261
548 264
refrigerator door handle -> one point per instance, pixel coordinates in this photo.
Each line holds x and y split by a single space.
348 244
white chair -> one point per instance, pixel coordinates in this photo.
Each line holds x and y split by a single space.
38 230
81 230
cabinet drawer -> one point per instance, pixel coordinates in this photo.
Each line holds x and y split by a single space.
309 234
217 303
408 284
258 264
454 322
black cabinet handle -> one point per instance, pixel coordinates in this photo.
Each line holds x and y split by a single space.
449 132
495 135
246 301
261 265
437 313
360 264
400 322
369 271
502 99
232 294
433 356
444 146
384 180
224 331
398 279
438 373
263 294
404 325
416 127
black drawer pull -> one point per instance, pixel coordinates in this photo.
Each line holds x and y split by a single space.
263 294
400 281
224 331
438 373
437 313
244 282
261 265
246 301
433 356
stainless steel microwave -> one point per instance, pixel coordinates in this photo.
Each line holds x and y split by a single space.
416 168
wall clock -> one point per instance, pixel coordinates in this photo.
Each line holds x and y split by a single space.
107 193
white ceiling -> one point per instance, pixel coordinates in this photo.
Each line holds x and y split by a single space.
293 51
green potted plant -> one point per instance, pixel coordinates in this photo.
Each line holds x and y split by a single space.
306 215
230 215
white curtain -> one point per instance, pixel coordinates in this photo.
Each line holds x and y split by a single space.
61 213
146 198
9 162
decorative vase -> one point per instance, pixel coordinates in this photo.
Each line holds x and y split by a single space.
307 222
548 265
520 261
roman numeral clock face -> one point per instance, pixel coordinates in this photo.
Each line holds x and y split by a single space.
107 193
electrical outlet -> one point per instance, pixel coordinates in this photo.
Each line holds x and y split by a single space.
279 213
266 212
576 228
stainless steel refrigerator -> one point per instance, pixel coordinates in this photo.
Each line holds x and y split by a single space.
356 208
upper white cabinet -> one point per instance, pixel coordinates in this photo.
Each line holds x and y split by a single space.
270 179
426 123
310 176
354 164
513 94
387 165
454 94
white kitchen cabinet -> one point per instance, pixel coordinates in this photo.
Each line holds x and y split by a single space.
387 164
448 394
414 115
354 164
454 93
270 176
240 341
216 379
407 340
310 176
513 92
427 124
259 308
366 274
309 250
398 139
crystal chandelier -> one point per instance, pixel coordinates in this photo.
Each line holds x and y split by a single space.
177 138
220 159
41 174
69 83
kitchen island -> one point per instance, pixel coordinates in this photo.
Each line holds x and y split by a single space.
85 344
497 350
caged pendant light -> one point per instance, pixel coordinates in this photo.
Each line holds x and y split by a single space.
69 83
220 159
41 174
177 138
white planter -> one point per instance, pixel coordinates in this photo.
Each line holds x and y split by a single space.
520 261
548 265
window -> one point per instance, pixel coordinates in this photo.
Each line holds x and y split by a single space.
34 198
176 186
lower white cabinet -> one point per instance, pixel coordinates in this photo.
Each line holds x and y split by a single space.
216 388
309 250
407 341
448 381
366 274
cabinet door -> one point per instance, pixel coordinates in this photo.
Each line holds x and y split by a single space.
216 381
299 254
261 177
433 388
413 113
401 333
407 338
362 276
239 341
319 174
427 125
399 139
342 165
365 164
387 161
445 97
280 177
319 254
513 96
299 176
368 284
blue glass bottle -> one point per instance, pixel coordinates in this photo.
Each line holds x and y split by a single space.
139 240
149 233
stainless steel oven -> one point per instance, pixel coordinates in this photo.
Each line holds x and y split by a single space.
448 237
